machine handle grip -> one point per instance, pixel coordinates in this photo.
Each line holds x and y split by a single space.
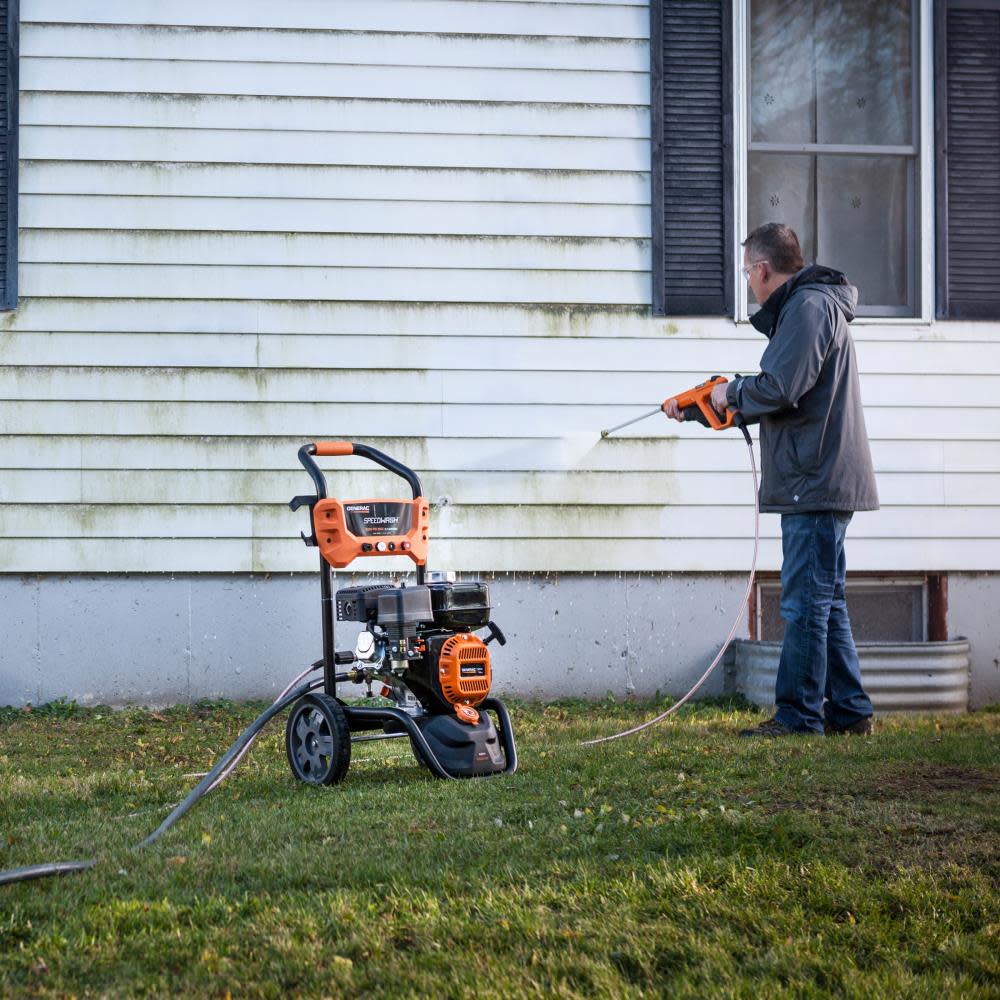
331 448
694 413
335 448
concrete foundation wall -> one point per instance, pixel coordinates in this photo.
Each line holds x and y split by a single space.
973 602
154 639
166 639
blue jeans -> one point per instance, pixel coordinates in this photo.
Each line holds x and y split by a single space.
818 656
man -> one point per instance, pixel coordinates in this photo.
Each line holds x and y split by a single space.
816 471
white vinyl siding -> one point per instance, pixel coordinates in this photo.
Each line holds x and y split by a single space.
425 225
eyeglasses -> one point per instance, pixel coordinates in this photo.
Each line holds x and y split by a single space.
746 270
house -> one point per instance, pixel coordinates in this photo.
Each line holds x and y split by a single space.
473 233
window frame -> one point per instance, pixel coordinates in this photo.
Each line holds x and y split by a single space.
922 272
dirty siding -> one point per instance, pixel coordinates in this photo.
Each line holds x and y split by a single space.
424 225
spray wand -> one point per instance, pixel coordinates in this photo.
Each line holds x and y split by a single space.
695 404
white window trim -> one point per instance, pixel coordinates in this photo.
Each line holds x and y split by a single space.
924 267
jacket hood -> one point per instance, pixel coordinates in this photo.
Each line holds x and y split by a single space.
823 279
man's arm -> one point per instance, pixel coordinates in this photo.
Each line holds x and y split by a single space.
791 363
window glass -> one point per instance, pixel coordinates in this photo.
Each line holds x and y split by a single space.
864 79
862 220
849 212
831 71
880 611
782 71
781 189
825 75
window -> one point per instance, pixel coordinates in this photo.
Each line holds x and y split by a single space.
8 152
832 150
882 609
828 115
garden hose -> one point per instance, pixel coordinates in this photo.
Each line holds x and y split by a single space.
219 772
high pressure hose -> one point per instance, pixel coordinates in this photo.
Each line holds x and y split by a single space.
43 871
229 757
249 743
222 769
739 615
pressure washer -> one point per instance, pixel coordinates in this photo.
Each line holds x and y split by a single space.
418 641
695 404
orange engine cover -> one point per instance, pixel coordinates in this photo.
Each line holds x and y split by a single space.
464 669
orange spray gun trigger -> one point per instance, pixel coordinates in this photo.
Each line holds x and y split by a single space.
696 404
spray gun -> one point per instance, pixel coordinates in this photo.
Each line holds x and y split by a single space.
695 404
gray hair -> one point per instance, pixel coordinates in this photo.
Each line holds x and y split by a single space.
778 245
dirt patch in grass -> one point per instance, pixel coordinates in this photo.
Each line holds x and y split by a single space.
915 816
930 844
924 780
932 828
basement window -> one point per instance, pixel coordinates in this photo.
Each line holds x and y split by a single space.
882 608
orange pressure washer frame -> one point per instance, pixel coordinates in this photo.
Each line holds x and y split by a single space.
339 546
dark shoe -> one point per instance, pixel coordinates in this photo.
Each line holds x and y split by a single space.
771 729
863 727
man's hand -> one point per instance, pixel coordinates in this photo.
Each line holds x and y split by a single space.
673 411
718 399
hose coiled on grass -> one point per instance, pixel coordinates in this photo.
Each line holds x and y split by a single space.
222 768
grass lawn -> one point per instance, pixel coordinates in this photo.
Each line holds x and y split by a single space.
680 863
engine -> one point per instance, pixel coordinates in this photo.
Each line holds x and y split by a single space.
422 639
420 642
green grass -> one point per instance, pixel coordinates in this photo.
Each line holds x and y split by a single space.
682 862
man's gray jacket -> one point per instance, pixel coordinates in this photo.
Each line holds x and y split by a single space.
813 443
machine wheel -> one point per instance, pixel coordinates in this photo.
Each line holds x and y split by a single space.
318 740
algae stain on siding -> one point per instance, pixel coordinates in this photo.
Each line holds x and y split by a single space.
559 320
257 561
7 337
84 518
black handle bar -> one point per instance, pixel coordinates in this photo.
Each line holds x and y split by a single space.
307 451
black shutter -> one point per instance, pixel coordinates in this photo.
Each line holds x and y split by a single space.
692 157
968 158
9 21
